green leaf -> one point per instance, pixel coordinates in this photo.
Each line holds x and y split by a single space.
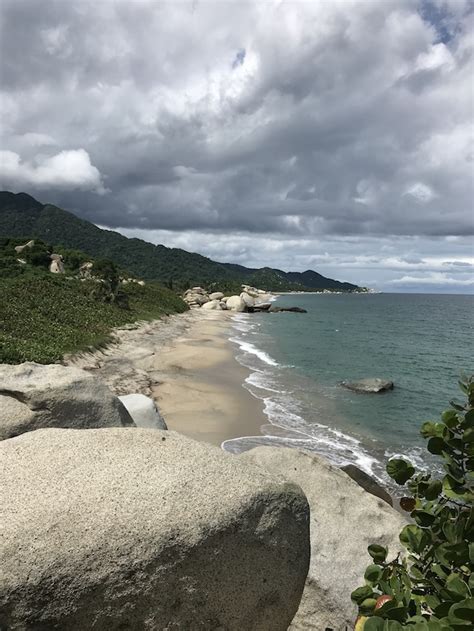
431 429
373 573
434 489
414 538
450 418
361 593
436 445
378 553
463 610
400 470
457 587
373 624
423 518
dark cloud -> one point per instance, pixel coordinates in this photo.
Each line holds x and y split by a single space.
343 119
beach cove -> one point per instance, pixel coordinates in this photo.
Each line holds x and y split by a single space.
187 364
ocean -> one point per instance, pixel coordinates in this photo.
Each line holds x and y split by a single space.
423 343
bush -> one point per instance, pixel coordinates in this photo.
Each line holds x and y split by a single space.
432 589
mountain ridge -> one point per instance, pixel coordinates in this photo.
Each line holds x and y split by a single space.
21 215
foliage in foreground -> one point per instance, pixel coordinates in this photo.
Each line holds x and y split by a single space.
44 316
432 589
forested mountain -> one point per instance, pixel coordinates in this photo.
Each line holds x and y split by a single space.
23 216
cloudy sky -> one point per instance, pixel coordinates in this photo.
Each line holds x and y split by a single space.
332 134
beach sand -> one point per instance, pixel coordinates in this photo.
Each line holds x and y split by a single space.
187 364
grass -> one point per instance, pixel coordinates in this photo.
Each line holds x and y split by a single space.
43 317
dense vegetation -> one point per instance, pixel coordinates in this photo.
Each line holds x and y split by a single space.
44 315
22 216
433 589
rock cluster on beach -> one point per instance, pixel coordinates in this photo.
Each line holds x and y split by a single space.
111 523
249 299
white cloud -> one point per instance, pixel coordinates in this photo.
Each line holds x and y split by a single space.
67 170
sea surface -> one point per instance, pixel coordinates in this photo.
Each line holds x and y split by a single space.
423 343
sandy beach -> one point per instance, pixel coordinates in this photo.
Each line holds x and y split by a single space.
187 365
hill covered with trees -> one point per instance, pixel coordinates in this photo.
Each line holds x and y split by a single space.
24 217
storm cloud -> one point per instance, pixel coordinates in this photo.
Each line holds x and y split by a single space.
333 135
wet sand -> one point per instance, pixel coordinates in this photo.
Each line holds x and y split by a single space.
187 364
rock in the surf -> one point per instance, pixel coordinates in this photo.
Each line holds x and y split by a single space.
33 396
143 529
367 482
344 521
369 385
143 411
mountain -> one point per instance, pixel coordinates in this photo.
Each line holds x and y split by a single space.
23 216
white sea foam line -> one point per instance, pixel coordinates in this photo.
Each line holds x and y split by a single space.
314 442
253 350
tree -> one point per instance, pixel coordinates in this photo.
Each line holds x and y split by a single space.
432 588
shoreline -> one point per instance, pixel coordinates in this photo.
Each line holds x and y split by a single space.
187 364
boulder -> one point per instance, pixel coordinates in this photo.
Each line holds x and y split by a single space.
217 295
198 299
223 305
34 396
19 248
235 303
56 266
225 298
369 385
274 309
117 529
212 305
143 411
261 306
344 521
248 300
367 482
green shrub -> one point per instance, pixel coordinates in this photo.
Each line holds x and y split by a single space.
432 588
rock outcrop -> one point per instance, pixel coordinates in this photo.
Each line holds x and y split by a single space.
367 483
217 295
19 248
235 303
142 529
344 521
143 411
212 305
57 265
33 396
369 385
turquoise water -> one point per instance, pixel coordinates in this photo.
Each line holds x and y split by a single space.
421 342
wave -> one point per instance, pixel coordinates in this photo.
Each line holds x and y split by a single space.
289 424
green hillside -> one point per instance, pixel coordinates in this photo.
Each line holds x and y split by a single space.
23 216
45 315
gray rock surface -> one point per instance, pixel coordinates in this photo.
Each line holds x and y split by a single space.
368 483
137 529
212 305
217 295
235 303
33 396
369 385
143 411
344 521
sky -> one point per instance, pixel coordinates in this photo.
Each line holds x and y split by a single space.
333 135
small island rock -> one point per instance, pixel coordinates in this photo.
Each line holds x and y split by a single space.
369 385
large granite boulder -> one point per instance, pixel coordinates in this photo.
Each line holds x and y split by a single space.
235 303
33 396
345 519
142 529
217 295
248 300
212 305
369 385
143 411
